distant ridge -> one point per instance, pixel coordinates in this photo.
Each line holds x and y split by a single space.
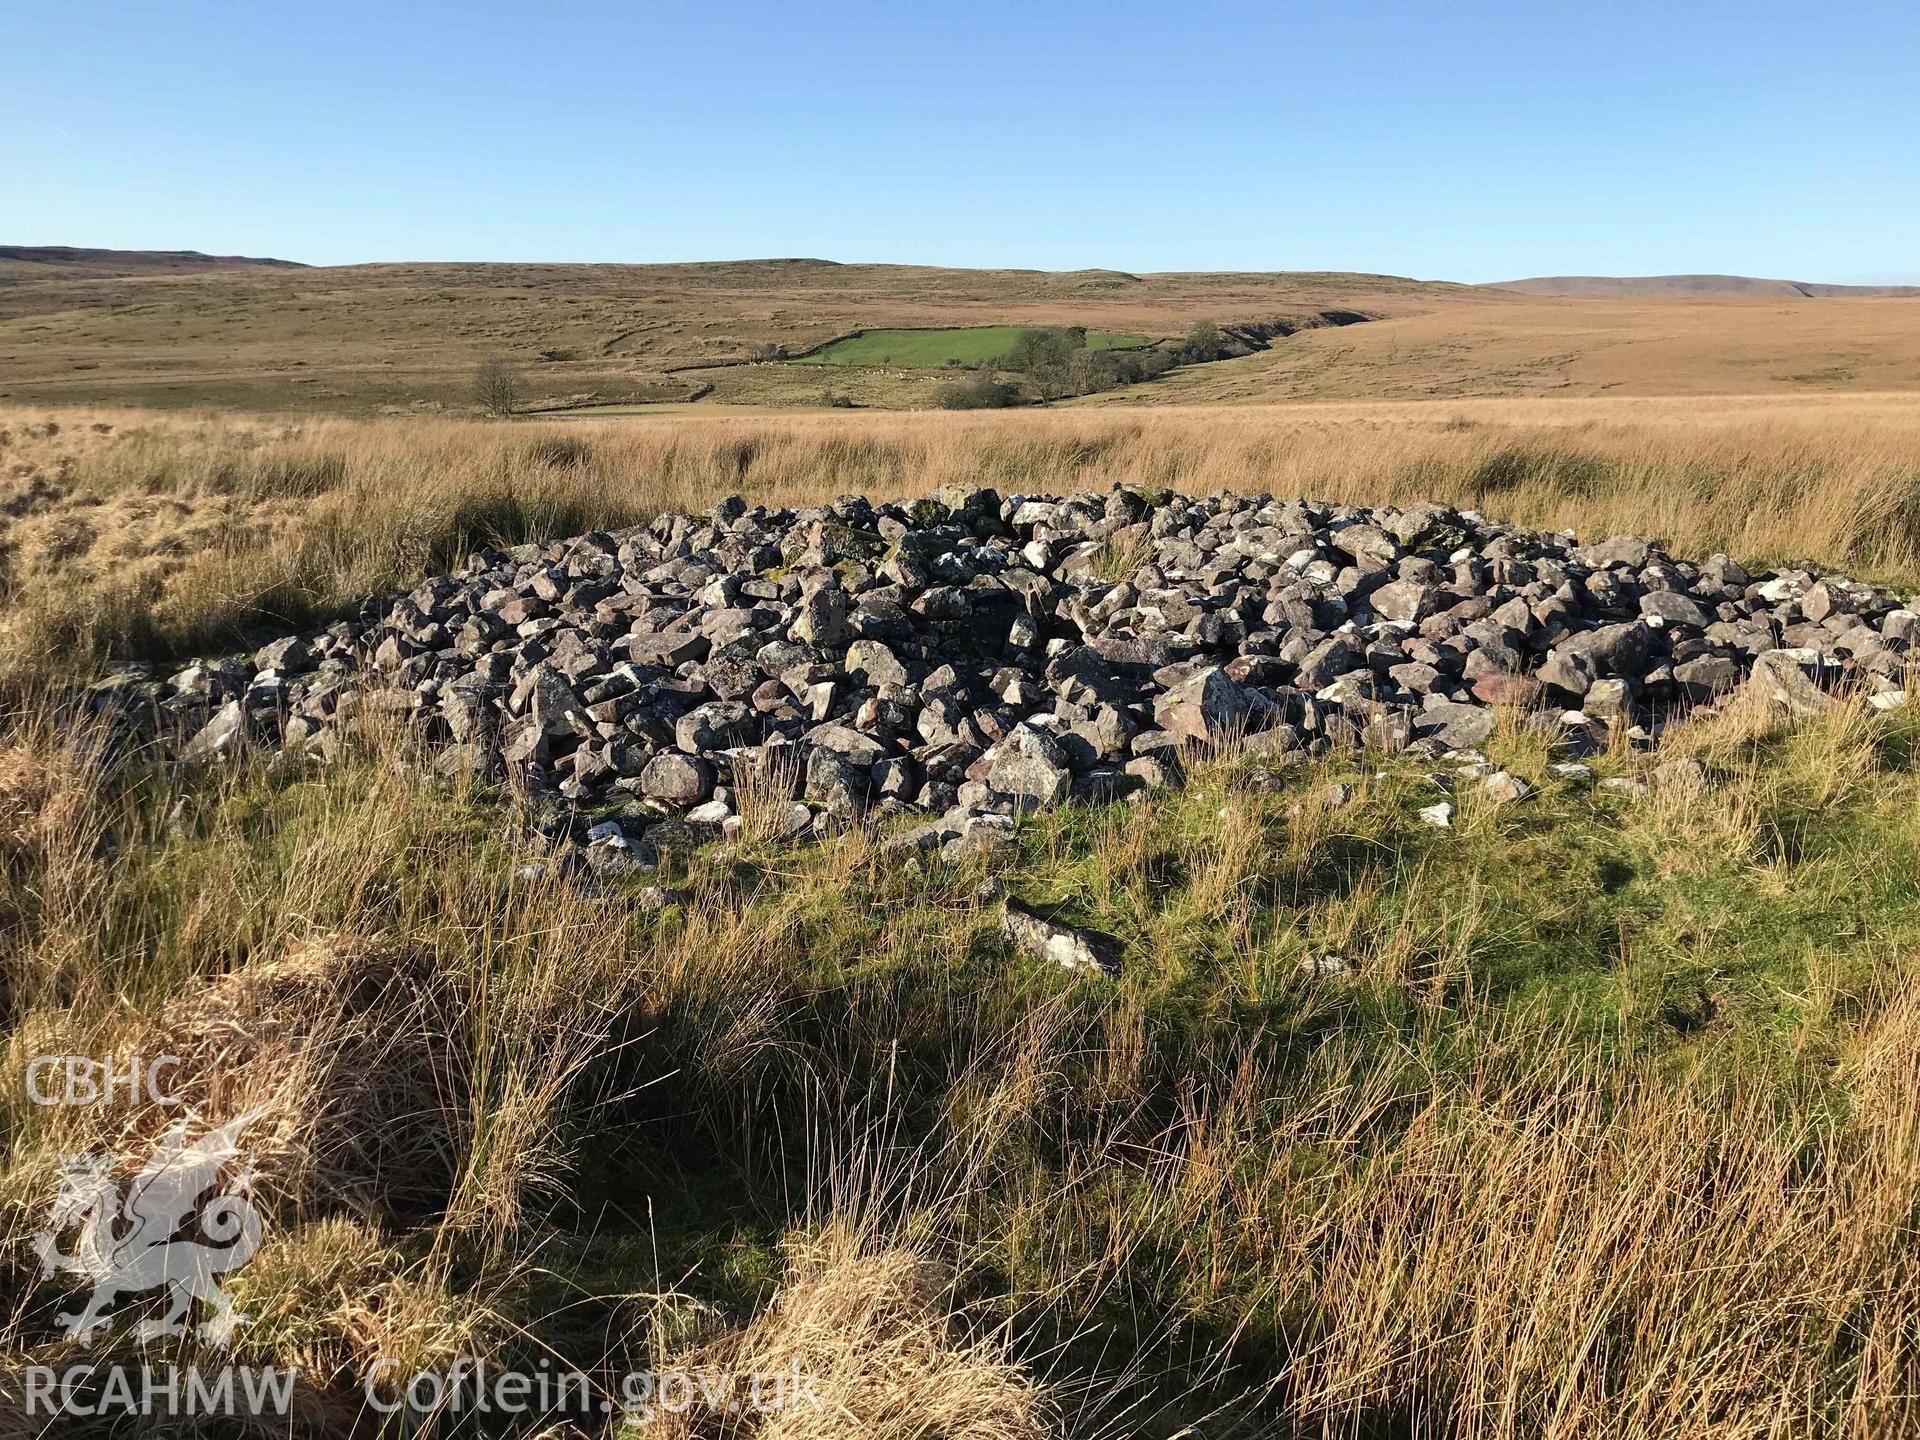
128 262
1606 287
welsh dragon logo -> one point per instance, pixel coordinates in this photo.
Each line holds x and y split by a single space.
172 1226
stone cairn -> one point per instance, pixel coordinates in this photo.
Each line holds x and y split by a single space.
970 657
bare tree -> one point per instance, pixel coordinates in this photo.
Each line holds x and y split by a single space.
496 385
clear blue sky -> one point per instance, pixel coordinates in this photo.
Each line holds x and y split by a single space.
1459 141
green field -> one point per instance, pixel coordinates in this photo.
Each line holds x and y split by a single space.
967 345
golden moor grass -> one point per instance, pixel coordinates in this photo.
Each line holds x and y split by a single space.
875 1329
349 1048
1554 1239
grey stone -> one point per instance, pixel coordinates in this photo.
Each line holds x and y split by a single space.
1155 772
836 784
1330 659
1078 951
717 725
1705 676
979 835
1328 966
872 663
1504 788
679 779
1609 699
666 649
1404 600
1629 551
1030 762
1454 726
843 740
1673 608
616 858
290 656
1780 677
1682 775
657 898
1209 706
1568 671
220 738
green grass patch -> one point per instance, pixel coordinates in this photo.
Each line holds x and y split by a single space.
931 349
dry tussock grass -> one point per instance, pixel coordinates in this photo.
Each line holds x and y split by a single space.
57 820
39 801
379 1102
335 1297
1550 1246
347 1048
1561 1253
877 1331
